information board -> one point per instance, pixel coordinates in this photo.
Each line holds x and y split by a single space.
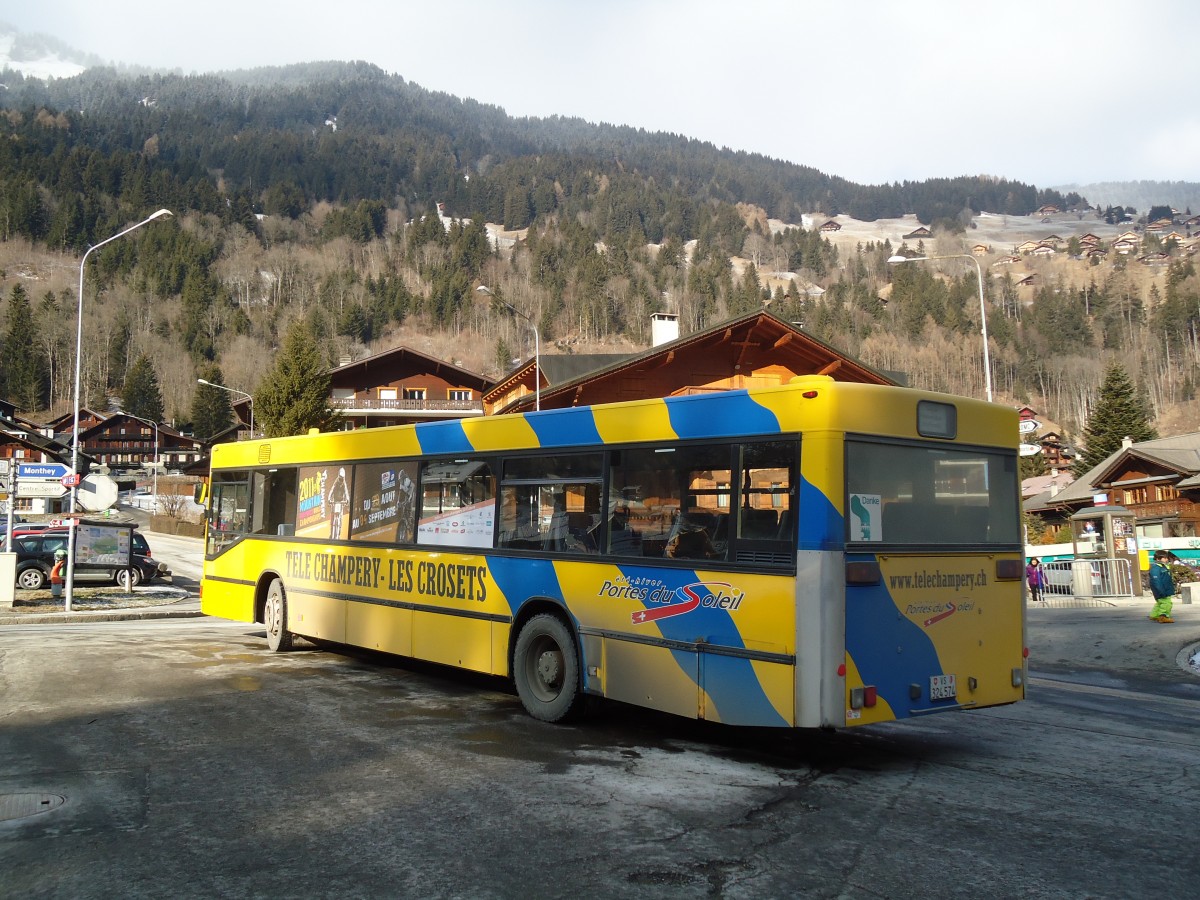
105 545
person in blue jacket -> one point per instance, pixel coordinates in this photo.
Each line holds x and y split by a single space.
1162 586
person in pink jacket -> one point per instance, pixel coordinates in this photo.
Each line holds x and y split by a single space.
1035 578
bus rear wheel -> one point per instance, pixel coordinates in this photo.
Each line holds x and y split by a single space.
546 669
279 639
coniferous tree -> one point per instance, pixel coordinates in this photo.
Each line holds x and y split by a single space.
142 396
212 411
294 396
1119 413
26 372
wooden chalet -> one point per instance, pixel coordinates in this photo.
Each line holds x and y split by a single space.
1158 481
830 225
23 441
402 385
1054 451
65 424
753 350
124 443
917 234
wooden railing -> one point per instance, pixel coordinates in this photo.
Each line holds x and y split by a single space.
373 404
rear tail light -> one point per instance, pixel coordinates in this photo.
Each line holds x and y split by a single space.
867 696
1009 570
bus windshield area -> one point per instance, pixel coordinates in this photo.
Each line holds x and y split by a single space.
930 495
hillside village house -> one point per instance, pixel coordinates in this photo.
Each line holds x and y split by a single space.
23 441
123 443
1158 481
402 385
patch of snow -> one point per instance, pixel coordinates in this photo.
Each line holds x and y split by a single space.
49 66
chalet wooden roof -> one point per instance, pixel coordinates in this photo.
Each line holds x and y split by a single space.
66 422
18 432
738 346
366 371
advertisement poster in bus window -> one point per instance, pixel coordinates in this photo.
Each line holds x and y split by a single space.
323 504
866 522
384 502
459 504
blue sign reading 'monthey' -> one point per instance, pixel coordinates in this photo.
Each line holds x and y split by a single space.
42 470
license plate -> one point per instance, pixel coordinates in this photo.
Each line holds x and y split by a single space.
941 687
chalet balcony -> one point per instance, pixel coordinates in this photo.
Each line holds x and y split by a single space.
1163 509
366 406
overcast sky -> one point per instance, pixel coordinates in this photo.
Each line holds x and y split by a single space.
1049 92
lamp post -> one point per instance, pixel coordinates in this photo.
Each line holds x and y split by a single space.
537 352
71 528
233 391
987 359
154 488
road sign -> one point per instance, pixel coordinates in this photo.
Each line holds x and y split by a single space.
27 487
42 470
96 493
68 481
1029 426
1029 449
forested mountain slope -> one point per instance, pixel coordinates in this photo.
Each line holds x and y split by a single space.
312 190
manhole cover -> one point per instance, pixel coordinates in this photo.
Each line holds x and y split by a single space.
18 806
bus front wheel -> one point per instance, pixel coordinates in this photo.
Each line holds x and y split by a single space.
546 669
279 639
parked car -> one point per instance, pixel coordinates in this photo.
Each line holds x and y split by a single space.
35 558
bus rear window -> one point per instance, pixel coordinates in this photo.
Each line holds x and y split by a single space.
930 495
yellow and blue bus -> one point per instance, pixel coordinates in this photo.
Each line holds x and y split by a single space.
817 554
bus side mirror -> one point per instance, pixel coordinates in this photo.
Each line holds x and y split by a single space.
200 494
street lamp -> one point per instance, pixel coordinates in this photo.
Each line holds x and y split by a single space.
537 352
71 528
154 488
233 391
987 359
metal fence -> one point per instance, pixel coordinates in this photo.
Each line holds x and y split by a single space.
1089 578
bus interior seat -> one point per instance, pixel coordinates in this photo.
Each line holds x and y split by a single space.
917 522
759 524
972 523
784 532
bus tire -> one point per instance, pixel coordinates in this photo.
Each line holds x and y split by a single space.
546 669
279 639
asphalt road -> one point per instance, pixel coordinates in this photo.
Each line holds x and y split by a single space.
193 763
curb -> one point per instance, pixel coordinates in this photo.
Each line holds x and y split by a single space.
116 615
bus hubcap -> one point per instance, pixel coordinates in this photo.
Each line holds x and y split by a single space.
549 667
